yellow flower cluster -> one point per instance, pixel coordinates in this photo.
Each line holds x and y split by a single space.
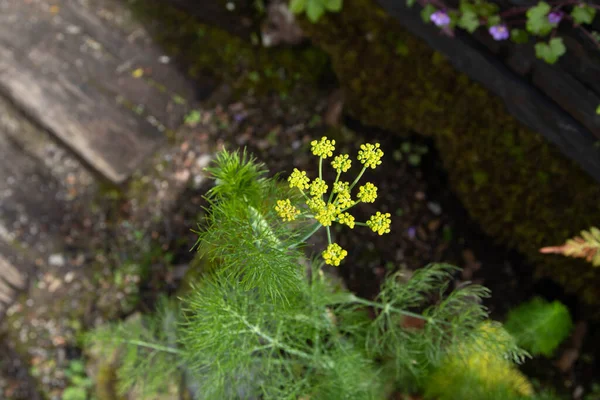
328 209
334 254
340 186
370 155
367 193
344 200
346 219
318 187
380 223
299 179
323 148
341 163
286 210
326 215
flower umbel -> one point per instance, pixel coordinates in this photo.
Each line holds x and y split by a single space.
367 193
318 187
370 155
315 204
327 208
340 186
344 200
323 148
346 219
380 223
341 163
299 179
326 215
334 254
286 210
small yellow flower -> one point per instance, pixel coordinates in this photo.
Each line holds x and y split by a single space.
344 200
341 163
334 254
367 193
327 215
286 210
323 148
346 219
299 179
318 187
316 204
340 186
370 155
380 223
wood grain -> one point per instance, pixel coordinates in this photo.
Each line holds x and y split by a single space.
71 71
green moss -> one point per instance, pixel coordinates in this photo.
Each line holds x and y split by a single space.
520 188
205 49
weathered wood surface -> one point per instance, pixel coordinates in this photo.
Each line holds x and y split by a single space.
40 182
562 105
70 67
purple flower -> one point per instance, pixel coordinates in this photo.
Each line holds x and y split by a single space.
440 18
499 32
555 17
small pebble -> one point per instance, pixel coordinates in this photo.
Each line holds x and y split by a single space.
56 260
435 208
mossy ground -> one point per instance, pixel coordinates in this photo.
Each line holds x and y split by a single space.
516 184
209 50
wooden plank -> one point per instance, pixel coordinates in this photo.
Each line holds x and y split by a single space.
71 71
30 206
525 102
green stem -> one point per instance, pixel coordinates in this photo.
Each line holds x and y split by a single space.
360 224
274 342
337 178
306 237
388 308
152 346
358 178
328 234
320 167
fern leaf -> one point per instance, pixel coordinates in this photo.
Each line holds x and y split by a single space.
149 362
539 326
586 245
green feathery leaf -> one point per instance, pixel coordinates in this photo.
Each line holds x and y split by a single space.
539 326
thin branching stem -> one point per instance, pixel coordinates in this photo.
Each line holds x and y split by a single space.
358 177
152 346
306 237
274 342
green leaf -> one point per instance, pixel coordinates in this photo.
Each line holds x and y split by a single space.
598 110
494 20
410 3
583 14
426 12
469 21
519 36
539 326
333 5
297 6
314 10
467 7
486 9
537 19
74 393
551 51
